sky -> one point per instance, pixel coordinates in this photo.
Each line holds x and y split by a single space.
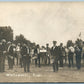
43 22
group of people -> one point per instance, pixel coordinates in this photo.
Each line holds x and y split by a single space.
59 53
11 52
54 55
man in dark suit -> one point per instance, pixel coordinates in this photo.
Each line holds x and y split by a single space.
36 52
70 56
61 50
55 54
78 56
25 57
3 51
10 56
48 53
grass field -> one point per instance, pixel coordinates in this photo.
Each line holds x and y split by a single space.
42 74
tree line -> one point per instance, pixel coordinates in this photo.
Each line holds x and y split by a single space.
6 32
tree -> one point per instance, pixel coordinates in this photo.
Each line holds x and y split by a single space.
21 39
6 33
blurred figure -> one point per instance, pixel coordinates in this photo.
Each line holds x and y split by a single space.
70 56
1 57
25 57
48 53
8 44
18 53
78 57
66 54
55 54
61 49
36 53
3 54
14 52
10 55
83 52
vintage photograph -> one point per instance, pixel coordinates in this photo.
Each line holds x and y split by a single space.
41 41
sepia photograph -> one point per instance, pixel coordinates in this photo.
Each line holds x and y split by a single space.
41 42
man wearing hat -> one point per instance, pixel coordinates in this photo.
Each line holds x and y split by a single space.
48 52
61 51
1 57
25 57
36 52
3 50
71 55
55 54
8 46
18 53
11 55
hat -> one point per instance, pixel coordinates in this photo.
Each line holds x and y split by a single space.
61 43
9 42
47 44
37 45
3 40
54 42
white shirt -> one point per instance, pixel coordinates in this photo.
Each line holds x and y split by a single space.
38 50
18 48
66 50
72 49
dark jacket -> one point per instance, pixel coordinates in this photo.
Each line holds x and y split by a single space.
61 50
11 52
78 53
25 55
35 51
55 52
23 50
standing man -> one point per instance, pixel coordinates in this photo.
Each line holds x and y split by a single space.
1 57
48 53
11 55
55 54
61 50
83 52
18 54
78 57
70 56
36 56
3 50
25 57
66 54
36 52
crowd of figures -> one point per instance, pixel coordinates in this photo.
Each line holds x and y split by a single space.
55 56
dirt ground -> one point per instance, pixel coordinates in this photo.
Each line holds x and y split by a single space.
42 74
